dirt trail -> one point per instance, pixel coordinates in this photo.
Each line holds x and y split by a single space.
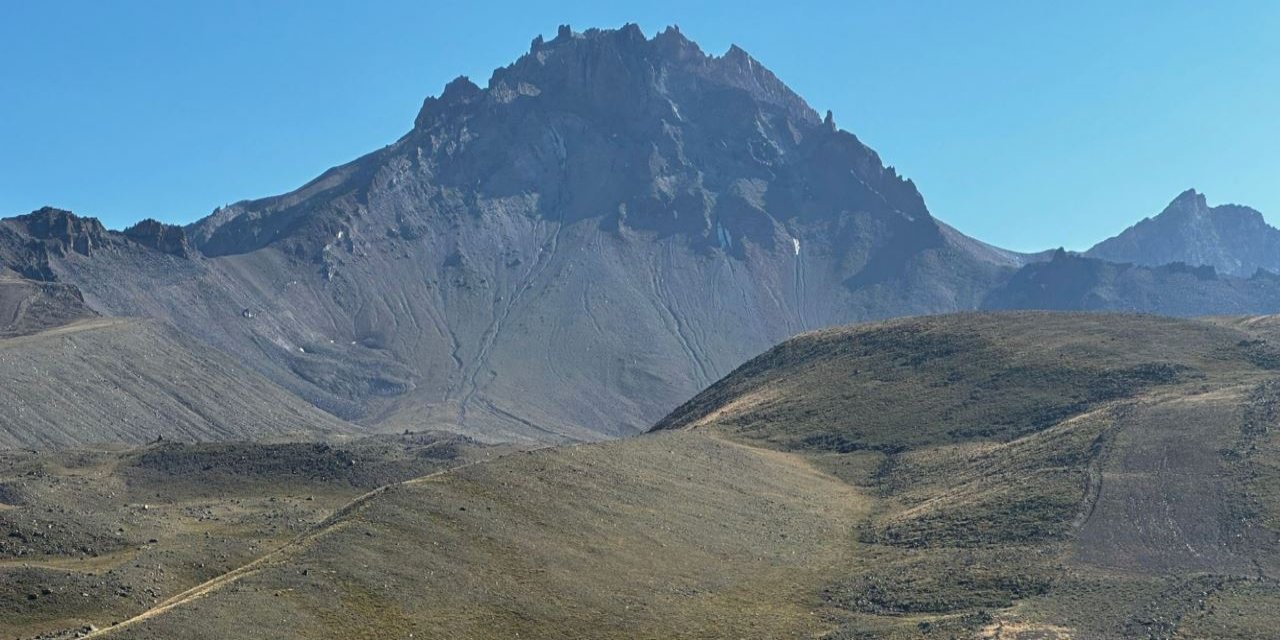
235 575
338 517
79 565
67 329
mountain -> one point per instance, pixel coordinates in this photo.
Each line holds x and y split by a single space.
611 223
1013 476
1233 239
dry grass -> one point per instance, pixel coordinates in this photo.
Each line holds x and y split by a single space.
1113 477
677 535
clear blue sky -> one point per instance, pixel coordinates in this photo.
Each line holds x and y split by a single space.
1028 124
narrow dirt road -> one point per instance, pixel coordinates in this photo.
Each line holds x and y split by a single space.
239 573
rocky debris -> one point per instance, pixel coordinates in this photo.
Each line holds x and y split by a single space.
113 369
67 634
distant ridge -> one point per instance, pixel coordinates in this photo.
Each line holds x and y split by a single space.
1233 239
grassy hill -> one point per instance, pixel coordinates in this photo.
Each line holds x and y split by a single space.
91 536
1048 475
1016 476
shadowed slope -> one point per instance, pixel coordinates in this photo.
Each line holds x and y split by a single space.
937 380
29 306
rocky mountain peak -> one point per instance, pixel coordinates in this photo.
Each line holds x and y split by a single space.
667 117
1189 199
1193 204
1189 205
640 133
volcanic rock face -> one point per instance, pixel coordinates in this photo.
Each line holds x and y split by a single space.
1233 239
610 224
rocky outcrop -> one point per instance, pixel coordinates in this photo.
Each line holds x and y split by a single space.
611 220
62 231
165 238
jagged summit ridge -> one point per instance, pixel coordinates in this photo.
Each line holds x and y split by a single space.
604 68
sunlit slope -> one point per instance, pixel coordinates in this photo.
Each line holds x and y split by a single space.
1039 475
973 476
934 380
681 535
96 536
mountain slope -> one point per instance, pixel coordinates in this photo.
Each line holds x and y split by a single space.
131 381
1024 475
1233 239
609 225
